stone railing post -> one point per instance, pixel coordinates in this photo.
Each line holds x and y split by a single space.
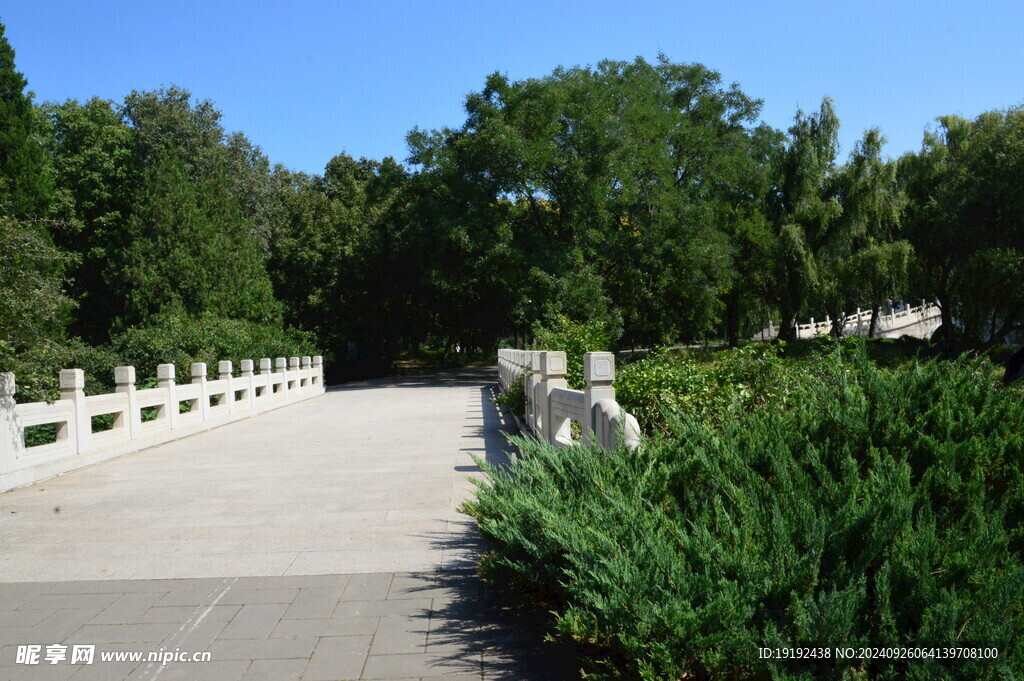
165 380
534 393
293 369
199 378
247 383
281 366
225 371
599 372
124 382
266 370
318 371
72 388
552 369
306 375
12 435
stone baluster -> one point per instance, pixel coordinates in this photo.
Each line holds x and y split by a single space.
552 369
72 388
281 366
124 381
225 372
203 400
165 380
318 371
599 372
12 435
248 382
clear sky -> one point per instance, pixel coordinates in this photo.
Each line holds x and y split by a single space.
307 79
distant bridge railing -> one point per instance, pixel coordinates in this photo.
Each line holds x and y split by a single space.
171 411
551 406
912 321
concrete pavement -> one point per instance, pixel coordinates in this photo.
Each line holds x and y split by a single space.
319 541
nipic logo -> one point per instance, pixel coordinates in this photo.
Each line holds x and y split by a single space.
80 654
86 654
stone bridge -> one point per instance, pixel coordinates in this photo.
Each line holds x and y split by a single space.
297 532
919 321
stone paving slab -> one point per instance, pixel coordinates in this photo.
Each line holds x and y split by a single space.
366 478
320 542
387 626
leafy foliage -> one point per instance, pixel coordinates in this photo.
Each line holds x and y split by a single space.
178 340
25 184
513 398
656 387
575 339
878 508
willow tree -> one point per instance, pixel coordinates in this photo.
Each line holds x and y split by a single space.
804 211
864 259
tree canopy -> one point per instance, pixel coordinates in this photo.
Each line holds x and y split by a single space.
642 199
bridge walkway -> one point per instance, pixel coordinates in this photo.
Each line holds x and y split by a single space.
320 541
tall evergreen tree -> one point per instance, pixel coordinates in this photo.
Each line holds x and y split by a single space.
25 185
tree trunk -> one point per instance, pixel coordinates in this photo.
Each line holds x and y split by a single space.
874 319
948 330
786 326
732 320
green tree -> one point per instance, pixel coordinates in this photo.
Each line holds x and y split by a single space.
188 252
864 259
25 184
618 171
803 209
965 219
93 164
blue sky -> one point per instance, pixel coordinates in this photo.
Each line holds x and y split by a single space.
308 79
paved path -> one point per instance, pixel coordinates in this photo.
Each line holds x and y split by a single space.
319 542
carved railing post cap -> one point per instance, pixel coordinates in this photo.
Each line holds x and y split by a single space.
246 365
266 363
165 372
535 361
8 386
72 379
281 363
225 366
124 375
552 363
198 369
599 367
318 360
306 361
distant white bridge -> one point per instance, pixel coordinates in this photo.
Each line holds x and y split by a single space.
920 321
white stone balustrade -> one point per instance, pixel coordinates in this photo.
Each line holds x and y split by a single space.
919 321
211 403
551 406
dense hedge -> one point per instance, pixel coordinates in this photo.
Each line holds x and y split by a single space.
664 383
873 508
179 340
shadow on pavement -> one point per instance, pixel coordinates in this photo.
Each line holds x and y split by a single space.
470 631
433 379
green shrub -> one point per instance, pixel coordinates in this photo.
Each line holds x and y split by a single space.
575 339
183 340
873 508
745 379
513 398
